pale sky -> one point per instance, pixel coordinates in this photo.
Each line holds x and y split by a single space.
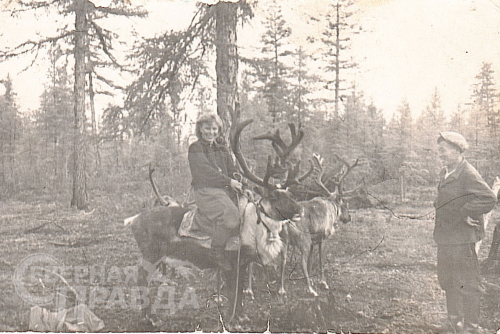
406 49
415 46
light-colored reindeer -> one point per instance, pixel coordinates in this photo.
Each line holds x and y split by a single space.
319 219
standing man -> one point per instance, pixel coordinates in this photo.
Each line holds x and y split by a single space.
463 198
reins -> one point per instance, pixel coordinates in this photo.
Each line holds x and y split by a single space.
235 300
260 209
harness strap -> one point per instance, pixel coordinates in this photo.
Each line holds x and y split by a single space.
259 209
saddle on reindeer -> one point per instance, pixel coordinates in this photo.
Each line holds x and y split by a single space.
190 228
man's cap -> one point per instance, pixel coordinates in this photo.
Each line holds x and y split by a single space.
455 139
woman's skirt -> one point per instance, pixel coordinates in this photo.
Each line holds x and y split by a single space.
216 215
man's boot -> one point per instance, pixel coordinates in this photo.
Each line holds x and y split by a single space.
457 324
453 325
220 257
471 328
472 313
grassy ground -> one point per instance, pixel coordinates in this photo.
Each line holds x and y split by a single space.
380 269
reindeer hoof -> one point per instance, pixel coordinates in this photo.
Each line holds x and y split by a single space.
249 293
151 323
238 324
234 327
146 324
281 295
242 319
313 293
324 285
218 298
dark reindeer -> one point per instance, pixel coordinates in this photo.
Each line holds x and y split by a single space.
156 230
319 218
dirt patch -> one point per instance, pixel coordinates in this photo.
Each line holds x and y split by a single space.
380 269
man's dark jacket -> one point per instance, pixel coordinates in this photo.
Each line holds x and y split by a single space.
462 194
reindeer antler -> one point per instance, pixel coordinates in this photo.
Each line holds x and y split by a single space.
236 147
306 174
162 200
282 149
318 173
292 177
271 169
280 164
341 176
337 179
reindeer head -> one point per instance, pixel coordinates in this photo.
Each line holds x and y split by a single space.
272 212
280 205
339 195
344 216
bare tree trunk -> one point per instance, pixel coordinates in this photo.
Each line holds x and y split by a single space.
337 62
95 139
14 137
227 65
57 120
299 102
79 199
2 156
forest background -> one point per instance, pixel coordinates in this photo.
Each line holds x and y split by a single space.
154 90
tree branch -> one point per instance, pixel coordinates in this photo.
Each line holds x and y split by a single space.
31 46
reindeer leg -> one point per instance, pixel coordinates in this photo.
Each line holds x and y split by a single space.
304 261
284 252
323 280
309 258
219 285
249 290
142 283
146 272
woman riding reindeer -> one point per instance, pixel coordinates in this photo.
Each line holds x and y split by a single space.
156 230
212 171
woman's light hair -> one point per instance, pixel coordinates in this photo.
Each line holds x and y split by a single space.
207 118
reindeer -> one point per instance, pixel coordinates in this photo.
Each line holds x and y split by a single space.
156 230
319 218
495 188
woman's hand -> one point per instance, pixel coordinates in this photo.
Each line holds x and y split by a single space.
473 222
236 185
